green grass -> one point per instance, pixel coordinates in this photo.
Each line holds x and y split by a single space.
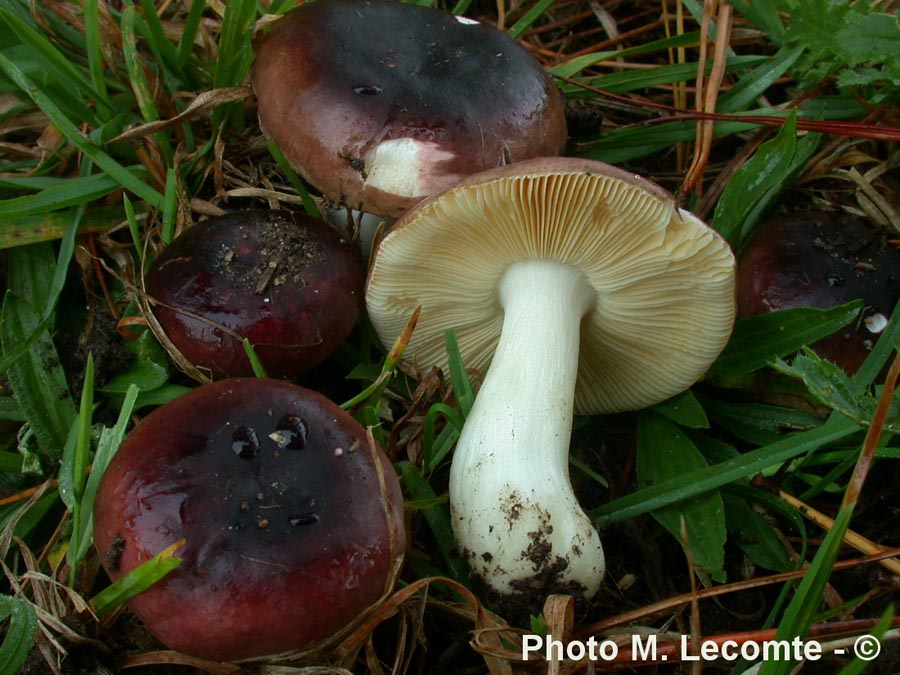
109 159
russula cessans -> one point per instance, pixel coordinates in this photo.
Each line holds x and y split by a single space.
822 259
292 519
379 104
287 282
584 288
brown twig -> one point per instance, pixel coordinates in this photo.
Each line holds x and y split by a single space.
668 604
839 128
873 436
708 92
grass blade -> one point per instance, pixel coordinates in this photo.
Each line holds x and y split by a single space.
37 377
235 50
752 85
189 29
696 482
757 184
759 340
107 446
165 52
170 206
438 519
137 580
20 633
94 48
136 74
56 65
296 182
808 596
257 366
119 173
79 465
434 450
70 192
858 665
462 387
658 76
529 18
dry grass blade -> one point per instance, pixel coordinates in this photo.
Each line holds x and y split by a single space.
667 605
169 658
851 538
708 90
202 104
873 435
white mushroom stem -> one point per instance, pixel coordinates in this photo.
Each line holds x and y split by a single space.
514 514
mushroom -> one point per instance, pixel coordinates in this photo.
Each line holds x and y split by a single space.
586 290
822 259
292 519
379 104
287 282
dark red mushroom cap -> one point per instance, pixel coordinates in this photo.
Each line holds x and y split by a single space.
293 522
379 104
822 259
287 282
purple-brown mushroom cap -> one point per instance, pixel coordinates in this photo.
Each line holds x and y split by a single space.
822 259
292 520
379 104
287 282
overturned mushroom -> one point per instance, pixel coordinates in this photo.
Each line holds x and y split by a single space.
379 104
585 289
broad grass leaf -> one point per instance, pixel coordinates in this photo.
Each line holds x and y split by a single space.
756 82
21 628
664 452
755 535
758 423
829 385
684 409
758 340
148 370
765 15
758 183
37 377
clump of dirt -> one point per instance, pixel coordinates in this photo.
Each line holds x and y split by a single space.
529 592
269 254
525 600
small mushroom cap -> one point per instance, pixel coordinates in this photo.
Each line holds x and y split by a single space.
287 282
665 281
379 104
822 259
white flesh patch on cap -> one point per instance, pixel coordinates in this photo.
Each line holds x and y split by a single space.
404 166
467 21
